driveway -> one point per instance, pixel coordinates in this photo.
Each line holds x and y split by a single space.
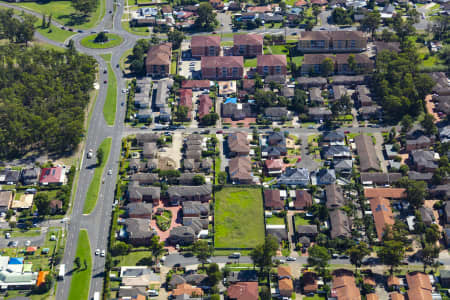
379 150
175 222
174 151
307 162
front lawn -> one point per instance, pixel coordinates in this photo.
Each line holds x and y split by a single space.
239 217
113 41
81 278
64 13
94 187
109 108
132 258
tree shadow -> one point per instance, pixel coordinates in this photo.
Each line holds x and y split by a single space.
74 19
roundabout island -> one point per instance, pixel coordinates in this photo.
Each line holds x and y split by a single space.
101 40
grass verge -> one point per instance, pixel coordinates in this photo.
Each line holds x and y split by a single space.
113 41
135 30
109 108
79 287
233 208
106 57
94 187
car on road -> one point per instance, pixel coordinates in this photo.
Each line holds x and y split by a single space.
290 258
144 127
235 255
153 293
27 243
117 65
214 32
294 33
121 104
97 252
90 153
7 235
105 81
181 127
124 91
80 31
219 131
13 244
103 253
105 71
93 31
109 172
343 257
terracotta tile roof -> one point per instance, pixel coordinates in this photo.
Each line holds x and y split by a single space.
284 271
274 163
192 84
240 168
204 106
243 291
159 55
300 3
396 296
248 39
382 214
285 284
271 60
260 9
419 294
222 61
186 97
393 193
187 289
272 199
238 142
344 286
41 277
369 281
309 280
205 41
393 280
419 280
371 296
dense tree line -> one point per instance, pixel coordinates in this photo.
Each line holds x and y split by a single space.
398 83
16 30
43 95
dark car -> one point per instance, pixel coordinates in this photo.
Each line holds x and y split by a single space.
106 81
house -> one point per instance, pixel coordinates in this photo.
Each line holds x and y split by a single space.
285 283
333 137
271 65
138 231
332 41
390 193
427 215
421 142
242 276
142 138
243 291
222 67
186 101
337 152
195 209
238 144
205 45
367 155
239 169
339 91
24 202
309 282
272 200
182 235
370 112
394 282
157 62
308 82
187 289
277 231
309 231
139 210
274 167
419 286
137 193
53 176
312 63
247 45
204 106
326 177
319 113
145 178
340 224
196 85
315 95
361 64
138 276
56 206
294 176
334 196
382 215
276 114
379 178
344 166
423 160
447 212
9 177
181 193
302 200
150 150
30 176
6 198
238 111
344 286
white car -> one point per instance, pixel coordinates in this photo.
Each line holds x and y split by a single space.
97 252
290 258
124 91
103 253
153 293
27 243
109 172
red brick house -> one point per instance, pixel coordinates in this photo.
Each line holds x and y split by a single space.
222 67
272 65
205 45
204 105
247 45
363 64
157 63
186 100
243 291
195 84
273 166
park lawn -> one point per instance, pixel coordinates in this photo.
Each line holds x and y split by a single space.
63 12
81 279
275 220
239 217
113 41
106 57
135 30
94 187
273 25
132 258
250 63
109 108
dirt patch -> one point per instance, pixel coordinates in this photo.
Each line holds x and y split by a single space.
165 163
430 108
245 123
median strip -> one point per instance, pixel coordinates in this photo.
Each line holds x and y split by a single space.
109 108
81 276
94 187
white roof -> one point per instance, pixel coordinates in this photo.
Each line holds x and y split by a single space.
269 226
4 262
292 194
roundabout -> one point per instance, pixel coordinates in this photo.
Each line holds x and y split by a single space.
101 41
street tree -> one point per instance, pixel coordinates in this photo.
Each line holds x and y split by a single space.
316 12
77 262
214 274
182 113
327 67
84 7
176 37
432 234
42 203
357 254
429 253
156 246
262 254
120 249
100 156
206 17
428 124
371 22
222 177
391 253
202 250
318 257
101 37
209 119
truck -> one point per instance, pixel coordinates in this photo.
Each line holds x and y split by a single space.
96 296
62 272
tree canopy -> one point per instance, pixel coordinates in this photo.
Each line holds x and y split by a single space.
14 29
206 19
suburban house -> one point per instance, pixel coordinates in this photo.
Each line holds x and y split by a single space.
344 166
139 210
294 176
6 198
276 114
142 138
138 231
340 224
309 231
285 283
344 286
272 200
333 138
204 106
309 282
273 167
187 290
238 144
9 176
390 193
315 95
242 276
195 209
332 41
247 45
181 193
30 176
302 199
53 176
239 169
157 63
137 193
367 155
271 65
205 45
186 101
382 214
319 113
222 67
419 286
182 235
243 291
326 176
238 111
149 150
423 160
145 178
196 85
138 276
334 196
379 178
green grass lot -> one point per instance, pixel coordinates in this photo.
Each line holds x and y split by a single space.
217 169
250 63
79 287
109 108
300 220
106 57
238 218
298 60
277 49
226 44
113 41
64 13
135 30
15 233
53 32
94 187
125 58
132 258
275 220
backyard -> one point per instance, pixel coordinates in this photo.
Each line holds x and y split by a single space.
238 219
